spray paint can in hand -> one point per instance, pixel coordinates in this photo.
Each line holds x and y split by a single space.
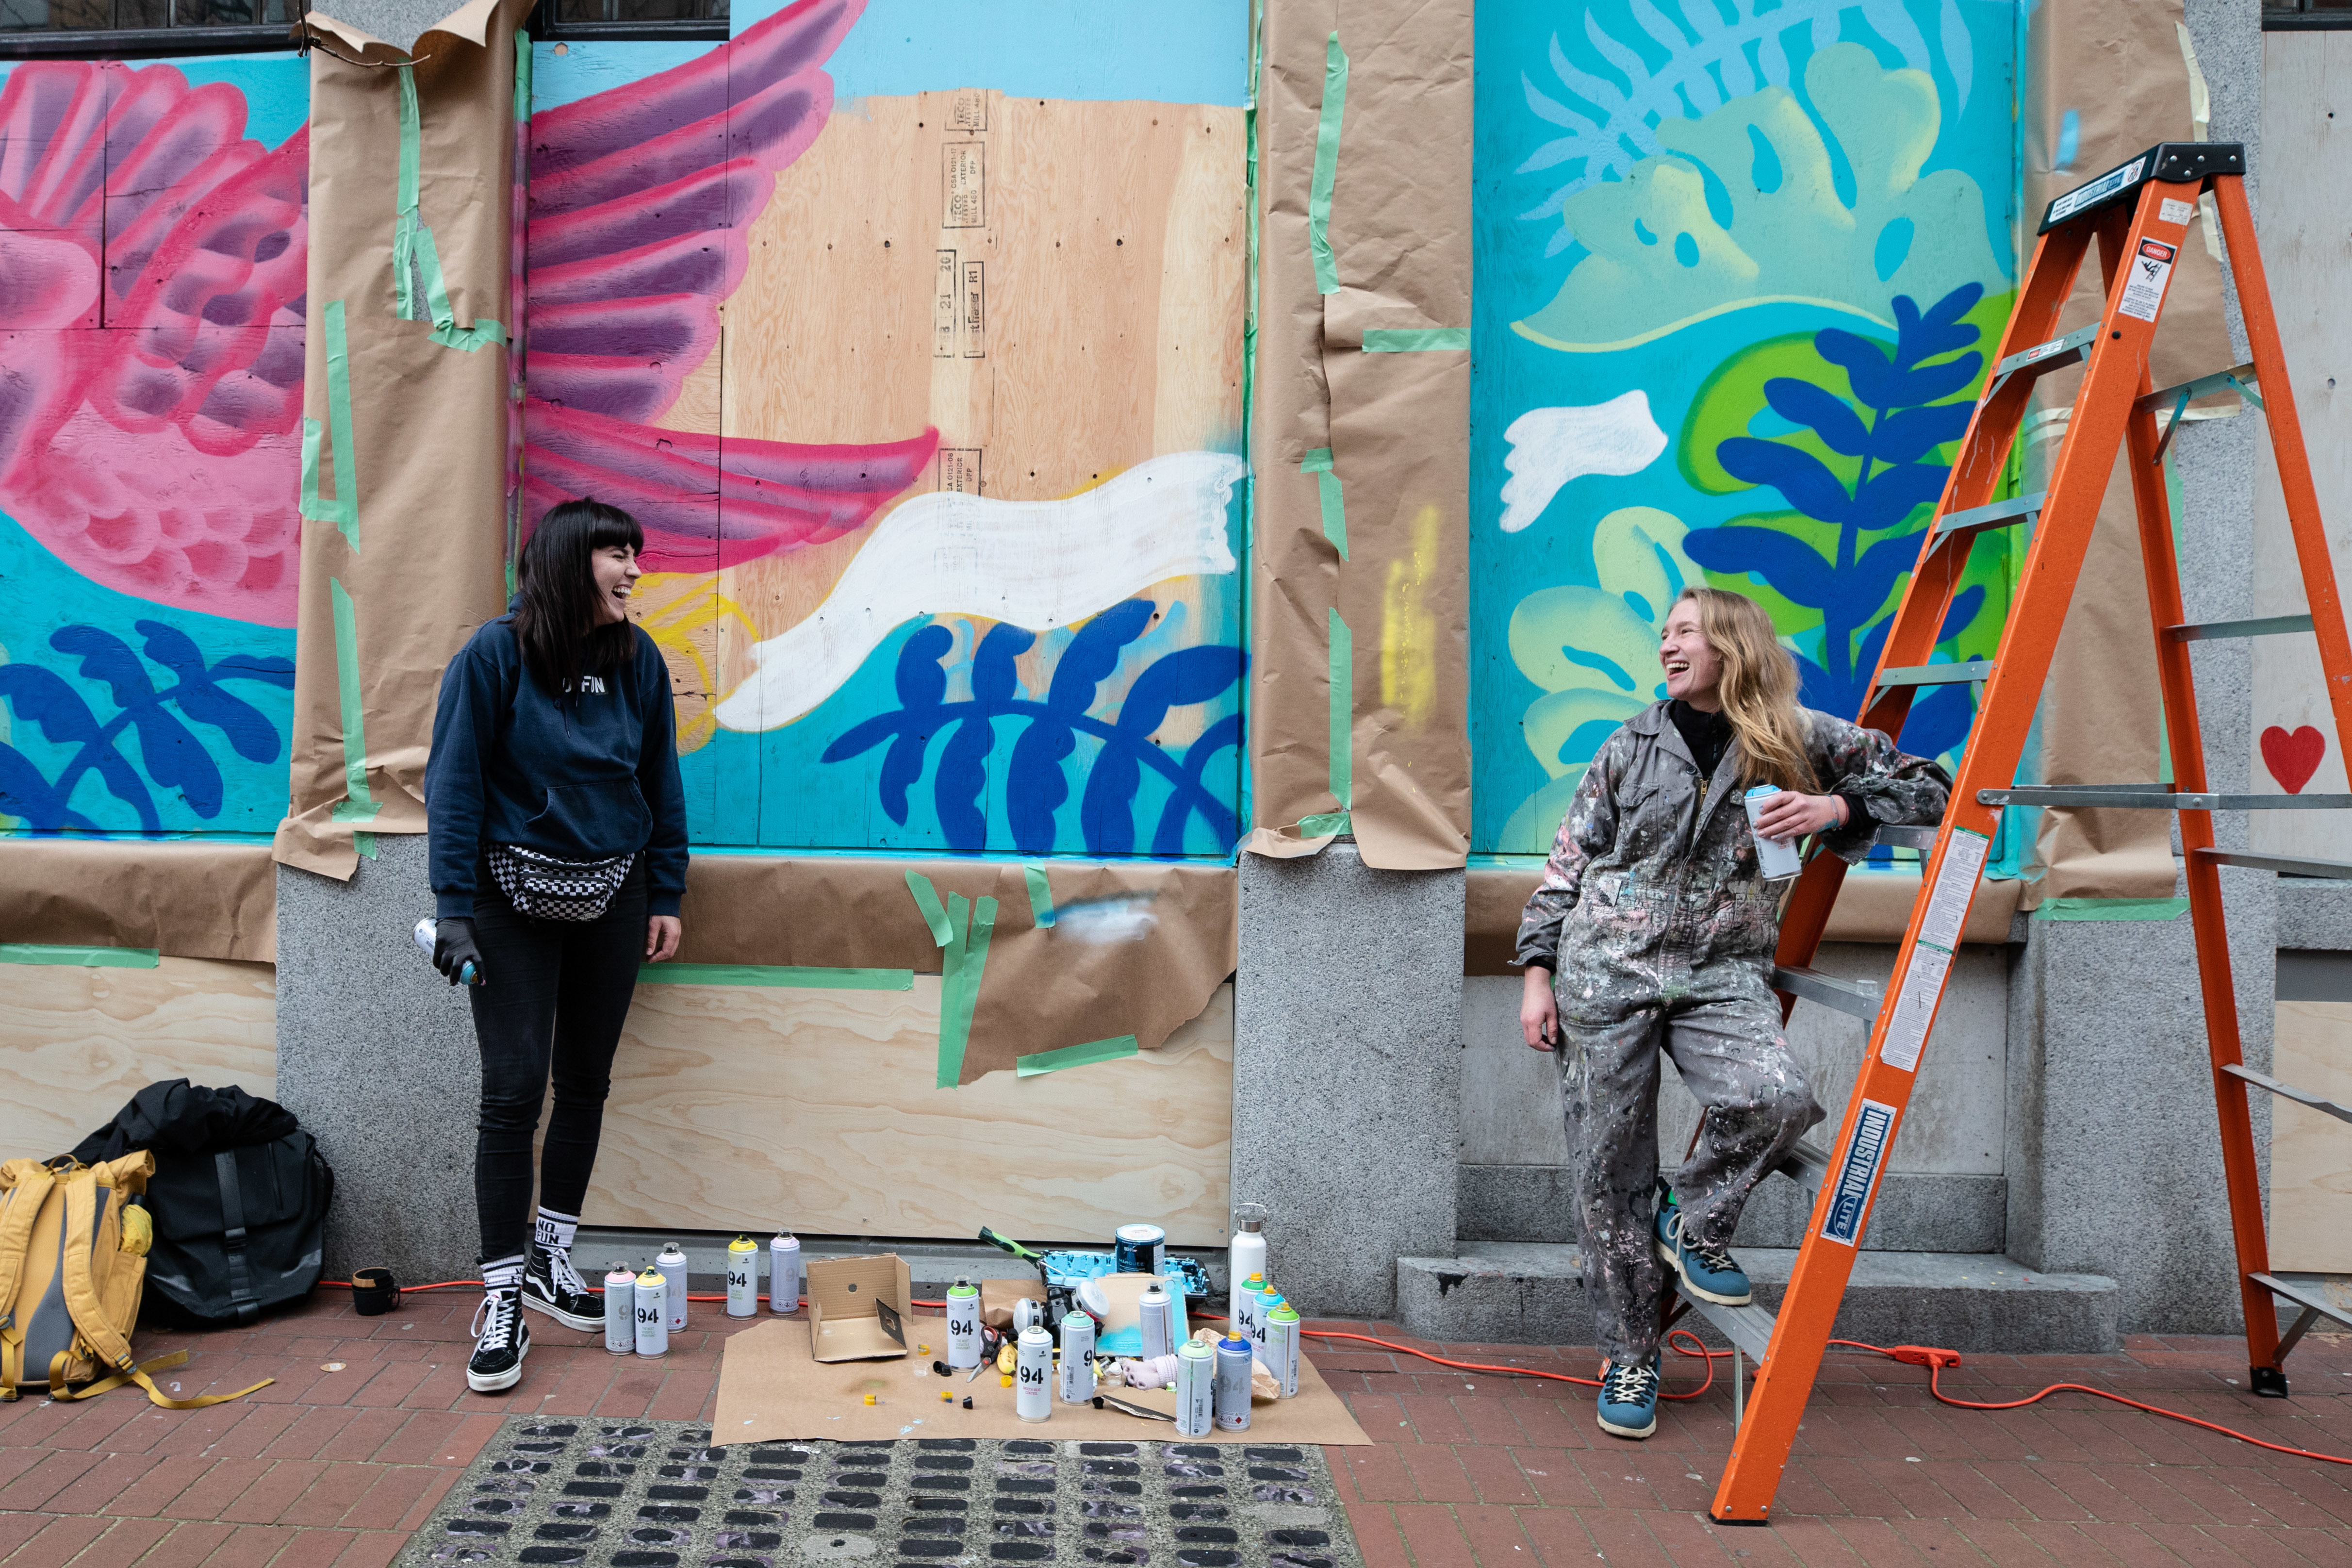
671 1261
1077 1358
651 1296
1152 1317
785 1272
1233 1400
1244 1323
742 1277
1245 1255
963 1323
1196 1389
1032 1372
1775 858
429 935
621 1309
1281 1355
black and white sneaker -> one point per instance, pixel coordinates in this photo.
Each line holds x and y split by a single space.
503 1341
551 1285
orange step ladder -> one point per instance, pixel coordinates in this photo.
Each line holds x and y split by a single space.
2137 214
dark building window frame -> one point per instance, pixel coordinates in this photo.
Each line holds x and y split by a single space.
190 40
2306 16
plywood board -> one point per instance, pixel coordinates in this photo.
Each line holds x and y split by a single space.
751 1107
75 1043
2311 1153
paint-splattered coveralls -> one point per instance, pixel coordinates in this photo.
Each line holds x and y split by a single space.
1659 931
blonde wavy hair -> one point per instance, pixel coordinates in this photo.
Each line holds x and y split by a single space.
1759 688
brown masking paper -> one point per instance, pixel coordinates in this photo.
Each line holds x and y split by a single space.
1135 947
194 898
2117 66
425 563
1396 424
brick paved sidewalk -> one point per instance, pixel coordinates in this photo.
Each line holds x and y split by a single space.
1469 1471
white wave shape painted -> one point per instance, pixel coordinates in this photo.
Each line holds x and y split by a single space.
1034 563
1551 446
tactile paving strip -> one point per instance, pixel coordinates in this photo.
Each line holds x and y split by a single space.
588 1493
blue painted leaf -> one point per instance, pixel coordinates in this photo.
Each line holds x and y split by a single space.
993 679
1865 364
123 783
1911 434
265 668
1190 797
1941 331
1933 382
43 696
1094 653
26 795
251 735
960 780
1803 403
1035 787
107 658
902 765
1810 487
1187 675
1874 648
1818 689
1888 496
175 758
1793 567
1107 811
921 681
1938 721
1873 576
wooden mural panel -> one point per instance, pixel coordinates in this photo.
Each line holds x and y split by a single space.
744 1107
2311 1153
77 1042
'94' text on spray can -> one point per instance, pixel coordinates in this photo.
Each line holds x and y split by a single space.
1234 1362
742 1277
1077 1358
1196 1389
652 1313
1032 1372
963 1323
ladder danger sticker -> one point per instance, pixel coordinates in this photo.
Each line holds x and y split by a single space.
1859 1175
2151 267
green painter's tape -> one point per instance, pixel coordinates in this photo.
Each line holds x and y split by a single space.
1382 340
1343 711
1327 491
1325 826
522 76
344 511
1326 166
1075 1056
2111 909
83 957
416 259
358 805
926 899
776 975
363 842
1041 896
967 958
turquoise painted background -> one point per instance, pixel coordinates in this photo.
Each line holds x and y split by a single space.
1740 269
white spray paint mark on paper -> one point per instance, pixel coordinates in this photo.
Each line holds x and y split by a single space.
1034 563
1108 919
1551 446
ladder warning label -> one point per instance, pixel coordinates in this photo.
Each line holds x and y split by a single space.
2144 285
1863 1155
2098 190
1922 985
1955 885
1914 1007
2175 212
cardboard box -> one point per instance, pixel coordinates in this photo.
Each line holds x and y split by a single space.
857 1307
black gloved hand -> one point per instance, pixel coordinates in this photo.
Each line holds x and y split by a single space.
454 949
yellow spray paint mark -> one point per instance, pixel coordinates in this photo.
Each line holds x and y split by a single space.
1408 631
686 616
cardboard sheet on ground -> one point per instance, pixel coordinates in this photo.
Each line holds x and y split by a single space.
769 1388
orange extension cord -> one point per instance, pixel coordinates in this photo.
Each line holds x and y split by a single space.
1930 1357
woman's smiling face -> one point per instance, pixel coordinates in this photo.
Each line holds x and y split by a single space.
616 570
1692 666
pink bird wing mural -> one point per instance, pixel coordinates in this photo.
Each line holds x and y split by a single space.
155 456
641 200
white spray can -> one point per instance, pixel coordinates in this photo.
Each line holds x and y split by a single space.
427 933
1267 1301
1245 1255
1281 1355
651 1296
1077 1358
785 1272
1196 1389
1242 1324
1152 1316
1033 1394
742 1277
671 1261
963 1323
621 1309
1775 858
1232 1398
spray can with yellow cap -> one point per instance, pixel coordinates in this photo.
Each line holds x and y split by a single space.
1245 1323
742 1278
653 1313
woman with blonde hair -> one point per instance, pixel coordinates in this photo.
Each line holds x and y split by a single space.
1654 927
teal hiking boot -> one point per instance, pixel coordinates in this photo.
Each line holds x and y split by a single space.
1629 1398
1707 1272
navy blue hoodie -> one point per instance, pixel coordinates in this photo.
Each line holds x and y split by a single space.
584 778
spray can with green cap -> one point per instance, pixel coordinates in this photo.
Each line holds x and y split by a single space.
1281 1352
963 1323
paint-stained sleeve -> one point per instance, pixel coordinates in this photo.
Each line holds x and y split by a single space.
1896 788
1588 828
465 723
658 782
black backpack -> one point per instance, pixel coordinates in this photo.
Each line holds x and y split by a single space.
240 1198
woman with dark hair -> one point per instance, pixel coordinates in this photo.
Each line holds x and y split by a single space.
558 858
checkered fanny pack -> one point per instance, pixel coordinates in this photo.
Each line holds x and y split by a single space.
547 889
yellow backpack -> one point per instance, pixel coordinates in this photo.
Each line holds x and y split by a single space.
73 1263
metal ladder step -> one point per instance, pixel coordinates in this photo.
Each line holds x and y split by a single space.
2042 358
2157 798
2319 1296
2238 378
2320 1103
2284 865
2000 514
2261 626
1906 837
1807 1166
1856 998
1937 674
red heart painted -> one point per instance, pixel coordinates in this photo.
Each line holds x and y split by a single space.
2293 758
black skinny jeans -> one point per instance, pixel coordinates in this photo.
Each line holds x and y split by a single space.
558 993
